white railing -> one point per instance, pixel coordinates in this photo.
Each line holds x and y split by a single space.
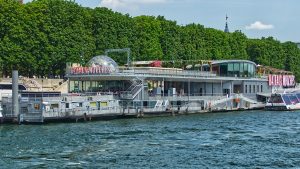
169 71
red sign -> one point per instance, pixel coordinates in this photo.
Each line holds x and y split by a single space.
91 70
281 80
156 63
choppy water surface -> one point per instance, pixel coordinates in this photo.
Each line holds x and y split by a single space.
253 139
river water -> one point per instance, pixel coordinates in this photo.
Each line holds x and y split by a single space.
250 139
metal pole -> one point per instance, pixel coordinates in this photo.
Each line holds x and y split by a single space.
15 93
163 93
189 88
222 94
142 98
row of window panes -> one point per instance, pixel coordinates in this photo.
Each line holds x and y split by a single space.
240 67
244 68
254 89
93 86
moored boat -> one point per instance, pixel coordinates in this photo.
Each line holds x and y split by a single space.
284 101
102 89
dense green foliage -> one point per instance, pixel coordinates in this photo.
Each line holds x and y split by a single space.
38 38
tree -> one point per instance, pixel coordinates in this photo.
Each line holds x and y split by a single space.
40 37
147 38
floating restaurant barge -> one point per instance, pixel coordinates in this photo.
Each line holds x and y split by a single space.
105 90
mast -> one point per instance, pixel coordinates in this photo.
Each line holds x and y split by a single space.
226 25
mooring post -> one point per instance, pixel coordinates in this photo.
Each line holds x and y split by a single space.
15 95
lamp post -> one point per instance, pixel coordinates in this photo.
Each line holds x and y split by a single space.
82 58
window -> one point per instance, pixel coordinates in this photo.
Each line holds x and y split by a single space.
253 88
251 70
293 99
236 67
246 88
249 88
241 69
37 106
298 96
223 70
257 88
261 88
275 99
53 106
24 109
286 100
245 69
230 67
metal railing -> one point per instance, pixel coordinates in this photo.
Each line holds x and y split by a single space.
168 71
133 90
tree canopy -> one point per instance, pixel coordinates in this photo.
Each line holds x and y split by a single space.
40 37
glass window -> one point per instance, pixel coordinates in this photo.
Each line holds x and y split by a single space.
298 96
251 70
245 74
223 70
286 99
241 67
293 99
246 88
87 86
257 88
249 88
236 67
253 88
245 66
37 106
230 67
71 86
275 99
261 88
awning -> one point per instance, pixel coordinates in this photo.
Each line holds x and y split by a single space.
264 94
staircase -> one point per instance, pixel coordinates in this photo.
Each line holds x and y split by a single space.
214 103
238 96
133 90
30 83
247 99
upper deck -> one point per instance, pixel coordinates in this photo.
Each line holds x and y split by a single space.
105 68
174 74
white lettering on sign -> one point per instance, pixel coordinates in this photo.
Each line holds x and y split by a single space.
281 80
91 70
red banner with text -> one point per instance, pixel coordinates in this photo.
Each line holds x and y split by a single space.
91 70
281 80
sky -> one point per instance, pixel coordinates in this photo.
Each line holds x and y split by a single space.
255 18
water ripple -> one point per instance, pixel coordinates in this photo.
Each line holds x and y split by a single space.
254 139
